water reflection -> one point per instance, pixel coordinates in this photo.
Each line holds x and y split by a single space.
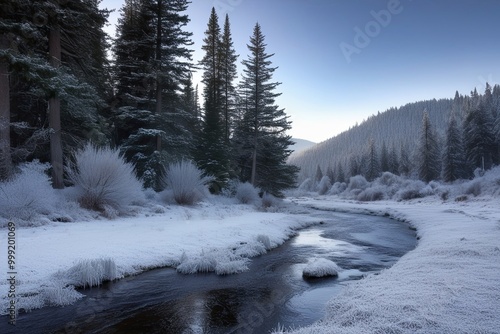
272 292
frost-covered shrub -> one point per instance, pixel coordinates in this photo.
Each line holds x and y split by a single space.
269 201
357 182
222 262
186 181
246 193
410 189
88 273
372 194
306 185
264 240
388 179
338 188
59 295
103 180
324 185
473 188
28 194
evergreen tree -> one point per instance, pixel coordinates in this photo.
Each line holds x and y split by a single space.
354 166
453 158
331 173
384 158
340 173
479 139
372 168
212 152
228 73
428 161
263 142
393 161
319 174
404 161
151 68
50 70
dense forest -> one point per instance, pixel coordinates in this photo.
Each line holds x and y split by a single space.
64 83
445 139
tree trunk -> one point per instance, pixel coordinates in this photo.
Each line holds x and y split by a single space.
56 152
254 166
5 157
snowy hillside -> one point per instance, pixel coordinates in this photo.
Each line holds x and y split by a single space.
395 126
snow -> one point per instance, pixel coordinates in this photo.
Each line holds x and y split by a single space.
54 258
448 284
320 267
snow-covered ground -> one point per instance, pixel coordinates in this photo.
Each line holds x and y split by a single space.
449 284
52 258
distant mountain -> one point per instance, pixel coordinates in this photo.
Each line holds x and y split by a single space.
301 145
394 127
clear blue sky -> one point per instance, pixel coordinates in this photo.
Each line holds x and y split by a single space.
341 61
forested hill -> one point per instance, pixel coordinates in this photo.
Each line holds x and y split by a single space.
393 127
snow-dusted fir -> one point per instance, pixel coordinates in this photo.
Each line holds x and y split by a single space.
262 144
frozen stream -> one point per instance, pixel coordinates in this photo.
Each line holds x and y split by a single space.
273 291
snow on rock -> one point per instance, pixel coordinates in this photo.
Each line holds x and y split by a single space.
448 284
210 237
320 267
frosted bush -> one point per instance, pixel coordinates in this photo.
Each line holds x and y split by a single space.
376 193
269 201
232 267
246 193
410 189
91 272
306 185
324 185
222 262
320 267
473 188
338 188
103 178
186 182
29 194
264 240
357 182
58 294
388 179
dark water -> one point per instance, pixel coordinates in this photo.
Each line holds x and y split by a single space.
272 293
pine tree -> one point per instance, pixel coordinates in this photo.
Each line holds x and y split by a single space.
151 68
479 138
428 160
393 161
212 152
372 168
453 157
354 166
384 158
228 73
404 161
319 174
330 173
340 173
50 70
264 144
